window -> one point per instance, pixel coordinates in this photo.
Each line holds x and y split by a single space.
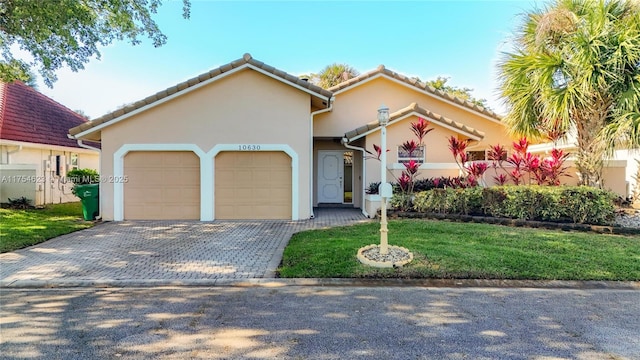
58 165
73 162
476 155
481 155
417 155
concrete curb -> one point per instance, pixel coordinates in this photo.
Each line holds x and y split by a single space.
274 283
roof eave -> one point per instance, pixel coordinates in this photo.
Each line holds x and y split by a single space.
472 135
82 131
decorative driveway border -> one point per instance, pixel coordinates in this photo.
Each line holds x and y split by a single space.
162 252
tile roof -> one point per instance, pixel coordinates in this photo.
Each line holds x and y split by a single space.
414 108
29 116
246 59
415 83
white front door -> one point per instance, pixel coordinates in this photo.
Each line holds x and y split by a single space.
330 176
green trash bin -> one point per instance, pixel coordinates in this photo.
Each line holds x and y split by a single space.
90 197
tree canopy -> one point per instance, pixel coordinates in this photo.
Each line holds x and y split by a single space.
440 83
59 33
576 64
332 75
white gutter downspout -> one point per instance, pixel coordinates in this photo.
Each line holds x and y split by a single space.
85 146
9 153
345 143
311 192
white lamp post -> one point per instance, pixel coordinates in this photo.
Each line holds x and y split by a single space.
368 255
385 189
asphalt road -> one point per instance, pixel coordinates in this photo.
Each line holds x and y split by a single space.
303 322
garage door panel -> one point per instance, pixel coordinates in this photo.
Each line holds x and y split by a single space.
181 160
172 196
182 178
191 177
280 161
283 176
225 177
190 195
188 211
281 193
246 177
162 186
156 177
135 160
136 212
148 194
253 185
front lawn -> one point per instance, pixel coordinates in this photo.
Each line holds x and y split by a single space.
465 250
22 228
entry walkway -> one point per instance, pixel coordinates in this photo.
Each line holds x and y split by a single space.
163 251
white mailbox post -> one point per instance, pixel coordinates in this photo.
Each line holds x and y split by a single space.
385 189
370 254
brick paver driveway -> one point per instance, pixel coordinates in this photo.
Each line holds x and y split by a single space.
164 250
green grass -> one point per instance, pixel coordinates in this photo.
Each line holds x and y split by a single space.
466 250
22 228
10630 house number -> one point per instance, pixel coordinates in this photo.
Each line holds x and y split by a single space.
249 147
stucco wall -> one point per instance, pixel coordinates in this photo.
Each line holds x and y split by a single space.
358 106
243 108
439 161
632 158
44 186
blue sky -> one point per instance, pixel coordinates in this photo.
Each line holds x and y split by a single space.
459 39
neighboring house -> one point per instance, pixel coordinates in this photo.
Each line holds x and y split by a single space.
35 150
619 171
249 141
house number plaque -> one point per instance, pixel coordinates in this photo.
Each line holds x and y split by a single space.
249 147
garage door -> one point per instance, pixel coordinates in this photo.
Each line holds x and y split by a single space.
253 185
162 185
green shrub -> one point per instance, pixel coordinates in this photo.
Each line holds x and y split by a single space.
401 201
432 201
527 202
470 200
83 176
493 199
578 204
20 203
584 204
450 201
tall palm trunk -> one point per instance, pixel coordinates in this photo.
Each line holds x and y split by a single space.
590 161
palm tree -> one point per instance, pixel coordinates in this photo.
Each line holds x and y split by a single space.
576 64
334 74
440 83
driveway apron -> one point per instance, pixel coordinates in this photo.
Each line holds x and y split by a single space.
164 250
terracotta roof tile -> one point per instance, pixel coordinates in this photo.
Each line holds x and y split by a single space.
413 82
246 59
413 107
29 116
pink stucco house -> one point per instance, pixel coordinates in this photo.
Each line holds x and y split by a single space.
249 141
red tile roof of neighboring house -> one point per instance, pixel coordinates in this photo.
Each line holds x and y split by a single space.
29 116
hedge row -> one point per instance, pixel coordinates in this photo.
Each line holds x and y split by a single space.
577 204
